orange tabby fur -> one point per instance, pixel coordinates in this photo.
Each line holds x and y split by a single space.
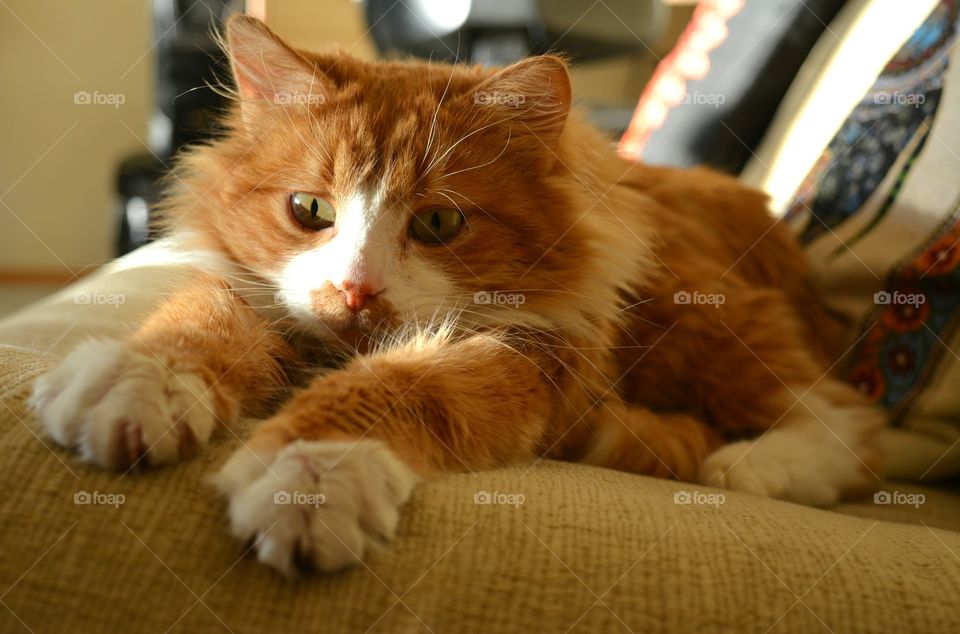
599 363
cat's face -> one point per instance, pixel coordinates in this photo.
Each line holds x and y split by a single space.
375 194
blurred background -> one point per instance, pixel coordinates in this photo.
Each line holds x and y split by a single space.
99 96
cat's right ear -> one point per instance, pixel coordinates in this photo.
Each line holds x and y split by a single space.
533 94
267 71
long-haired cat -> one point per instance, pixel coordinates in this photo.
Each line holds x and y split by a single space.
498 286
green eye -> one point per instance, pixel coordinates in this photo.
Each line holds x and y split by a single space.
435 226
312 212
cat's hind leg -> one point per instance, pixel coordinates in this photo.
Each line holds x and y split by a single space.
818 451
638 440
746 364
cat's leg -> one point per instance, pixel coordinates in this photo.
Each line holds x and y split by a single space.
746 363
322 481
819 449
200 359
636 439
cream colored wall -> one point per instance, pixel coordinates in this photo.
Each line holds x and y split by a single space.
312 25
58 158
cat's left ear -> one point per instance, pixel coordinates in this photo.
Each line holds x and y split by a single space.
534 93
267 71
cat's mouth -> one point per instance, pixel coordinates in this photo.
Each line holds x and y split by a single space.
336 324
357 336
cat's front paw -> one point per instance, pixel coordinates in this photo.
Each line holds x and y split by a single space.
118 407
316 504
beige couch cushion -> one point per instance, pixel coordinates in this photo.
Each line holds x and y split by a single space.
588 550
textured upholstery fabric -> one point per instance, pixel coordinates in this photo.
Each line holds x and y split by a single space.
588 549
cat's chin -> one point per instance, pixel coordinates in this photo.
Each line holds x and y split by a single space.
349 333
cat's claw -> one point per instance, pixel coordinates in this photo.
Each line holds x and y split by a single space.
318 505
119 408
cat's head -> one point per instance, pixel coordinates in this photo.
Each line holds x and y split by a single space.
374 194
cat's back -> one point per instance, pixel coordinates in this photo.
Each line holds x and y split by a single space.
711 221
714 235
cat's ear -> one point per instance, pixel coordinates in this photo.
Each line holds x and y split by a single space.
267 71
534 92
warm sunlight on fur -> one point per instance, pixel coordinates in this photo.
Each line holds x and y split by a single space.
492 285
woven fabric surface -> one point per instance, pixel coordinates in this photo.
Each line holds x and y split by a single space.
583 550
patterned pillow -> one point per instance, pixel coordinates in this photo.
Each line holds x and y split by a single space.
878 205
871 159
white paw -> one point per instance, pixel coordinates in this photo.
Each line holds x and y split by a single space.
746 466
115 406
321 504
813 459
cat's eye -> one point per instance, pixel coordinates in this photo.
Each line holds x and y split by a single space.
435 226
312 212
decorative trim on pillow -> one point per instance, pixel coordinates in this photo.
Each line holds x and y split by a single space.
689 59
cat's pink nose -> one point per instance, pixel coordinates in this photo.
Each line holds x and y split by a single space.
356 294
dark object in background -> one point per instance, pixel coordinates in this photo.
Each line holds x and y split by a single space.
767 44
187 59
500 32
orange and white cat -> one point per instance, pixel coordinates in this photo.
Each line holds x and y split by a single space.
496 284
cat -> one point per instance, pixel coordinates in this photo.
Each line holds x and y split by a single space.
494 284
